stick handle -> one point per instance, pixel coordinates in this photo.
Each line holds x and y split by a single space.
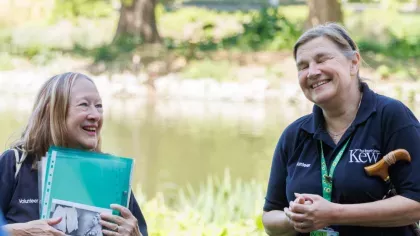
381 167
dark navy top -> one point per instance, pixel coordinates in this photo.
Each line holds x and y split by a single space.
382 125
19 197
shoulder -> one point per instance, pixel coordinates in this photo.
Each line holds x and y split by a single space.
394 113
7 179
7 154
396 120
389 105
7 159
385 102
293 129
294 134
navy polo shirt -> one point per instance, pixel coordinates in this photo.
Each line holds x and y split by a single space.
382 125
19 197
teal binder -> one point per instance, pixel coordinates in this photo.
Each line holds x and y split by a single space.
79 185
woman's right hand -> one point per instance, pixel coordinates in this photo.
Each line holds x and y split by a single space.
35 228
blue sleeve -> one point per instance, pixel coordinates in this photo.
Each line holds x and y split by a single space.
7 179
135 210
2 222
402 131
276 198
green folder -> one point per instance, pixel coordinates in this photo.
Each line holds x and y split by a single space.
79 185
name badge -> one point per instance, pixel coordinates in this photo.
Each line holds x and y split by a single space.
324 232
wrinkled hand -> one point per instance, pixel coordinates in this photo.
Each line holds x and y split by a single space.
298 200
310 212
124 225
36 228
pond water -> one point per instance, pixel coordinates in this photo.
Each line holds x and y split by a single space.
176 143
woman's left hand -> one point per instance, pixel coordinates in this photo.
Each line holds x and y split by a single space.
310 217
124 225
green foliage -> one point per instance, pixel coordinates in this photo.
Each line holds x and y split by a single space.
194 30
218 70
5 61
5 40
295 14
389 41
386 32
223 192
41 44
395 47
122 45
268 29
87 27
384 71
71 9
219 207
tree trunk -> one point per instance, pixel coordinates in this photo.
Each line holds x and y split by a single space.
323 11
137 18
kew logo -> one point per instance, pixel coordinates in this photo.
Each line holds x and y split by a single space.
364 155
28 201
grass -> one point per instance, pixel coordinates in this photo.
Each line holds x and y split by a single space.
220 207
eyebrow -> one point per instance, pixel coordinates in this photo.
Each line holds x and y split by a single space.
322 54
317 56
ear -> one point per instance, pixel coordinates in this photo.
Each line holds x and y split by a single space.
355 64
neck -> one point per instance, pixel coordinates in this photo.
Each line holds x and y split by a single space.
340 115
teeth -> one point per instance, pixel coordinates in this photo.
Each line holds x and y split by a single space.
319 84
90 129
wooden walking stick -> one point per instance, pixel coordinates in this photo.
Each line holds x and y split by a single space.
380 169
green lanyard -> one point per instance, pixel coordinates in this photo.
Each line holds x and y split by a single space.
326 177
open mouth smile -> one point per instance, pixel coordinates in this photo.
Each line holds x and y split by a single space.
90 129
320 83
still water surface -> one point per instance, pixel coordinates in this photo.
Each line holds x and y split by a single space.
176 143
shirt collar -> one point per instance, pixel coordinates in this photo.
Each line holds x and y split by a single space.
314 125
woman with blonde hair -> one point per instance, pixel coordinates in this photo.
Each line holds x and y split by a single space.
67 113
318 184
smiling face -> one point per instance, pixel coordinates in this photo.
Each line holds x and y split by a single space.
324 71
84 115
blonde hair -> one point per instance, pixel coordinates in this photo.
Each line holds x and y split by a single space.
47 123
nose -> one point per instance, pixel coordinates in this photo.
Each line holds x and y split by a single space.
94 114
313 70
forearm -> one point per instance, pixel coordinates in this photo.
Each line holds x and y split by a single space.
277 224
392 212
